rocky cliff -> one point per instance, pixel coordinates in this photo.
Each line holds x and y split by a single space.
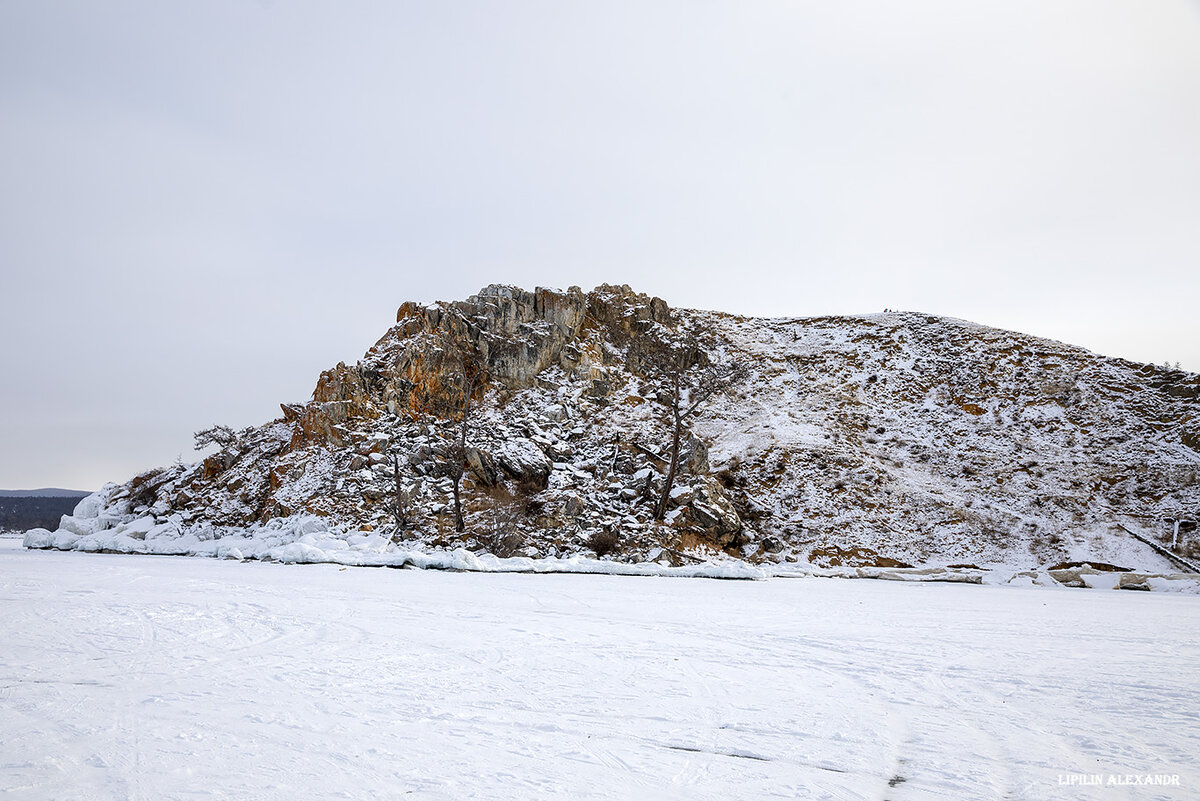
889 439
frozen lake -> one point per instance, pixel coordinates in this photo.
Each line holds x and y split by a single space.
138 677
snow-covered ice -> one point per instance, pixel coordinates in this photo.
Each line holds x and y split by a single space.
309 539
140 677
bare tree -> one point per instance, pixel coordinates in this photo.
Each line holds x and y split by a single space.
474 374
399 506
692 380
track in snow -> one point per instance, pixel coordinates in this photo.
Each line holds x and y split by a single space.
148 678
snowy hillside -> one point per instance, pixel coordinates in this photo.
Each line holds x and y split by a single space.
889 440
930 439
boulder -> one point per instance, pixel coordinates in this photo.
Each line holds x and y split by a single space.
681 495
1133 581
711 514
1073 576
693 456
524 461
572 506
645 480
214 465
376 443
483 467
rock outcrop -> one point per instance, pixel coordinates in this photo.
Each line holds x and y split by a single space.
902 438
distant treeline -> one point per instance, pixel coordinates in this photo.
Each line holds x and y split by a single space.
22 514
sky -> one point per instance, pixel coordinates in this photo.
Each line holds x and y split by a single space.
203 205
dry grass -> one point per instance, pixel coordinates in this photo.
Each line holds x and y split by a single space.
604 542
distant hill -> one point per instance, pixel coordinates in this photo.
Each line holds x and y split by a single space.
21 510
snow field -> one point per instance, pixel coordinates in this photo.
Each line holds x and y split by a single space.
135 677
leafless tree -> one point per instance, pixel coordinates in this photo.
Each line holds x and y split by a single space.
399 506
691 379
473 375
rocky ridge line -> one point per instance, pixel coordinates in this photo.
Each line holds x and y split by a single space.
884 440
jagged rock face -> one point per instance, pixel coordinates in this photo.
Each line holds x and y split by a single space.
419 366
897 437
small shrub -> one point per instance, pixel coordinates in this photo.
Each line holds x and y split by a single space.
505 511
505 543
604 542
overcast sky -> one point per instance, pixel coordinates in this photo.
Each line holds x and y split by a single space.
204 204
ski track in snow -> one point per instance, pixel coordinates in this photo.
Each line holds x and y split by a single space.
138 677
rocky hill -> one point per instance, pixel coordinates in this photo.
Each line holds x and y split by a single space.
891 439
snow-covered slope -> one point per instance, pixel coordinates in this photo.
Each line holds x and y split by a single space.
885 440
931 439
